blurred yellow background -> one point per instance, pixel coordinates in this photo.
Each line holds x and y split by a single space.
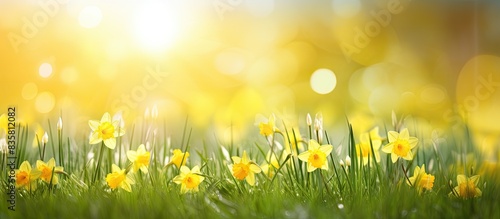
228 62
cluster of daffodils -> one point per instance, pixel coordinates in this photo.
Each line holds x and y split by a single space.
107 130
399 146
27 177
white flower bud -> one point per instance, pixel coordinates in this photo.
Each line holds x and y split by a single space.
309 120
45 138
154 112
59 124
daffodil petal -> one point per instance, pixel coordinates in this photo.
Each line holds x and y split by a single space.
327 149
304 156
393 136
251 178
94 124
132 156
310 167
461 179
94 138
388 148
413 142
106 118
404 134
394 158
254 168
236 159
110 143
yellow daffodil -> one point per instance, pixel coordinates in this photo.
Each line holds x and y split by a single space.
106 130
46 170
316 155
467 187
139 158
268 129
119 178
26 177
270 168
400 145
421 180
364 150
189 179
179 158
242 168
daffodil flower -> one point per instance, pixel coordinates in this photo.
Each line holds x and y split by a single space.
26 177
119 178
140 159
467 187
400 145
179 158
189 179
46 171
364 150
270 165
316 155
105 130
244 169
267 129
421 180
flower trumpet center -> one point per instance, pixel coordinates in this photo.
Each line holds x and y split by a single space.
46 173
191 181
115 179
401 148
240 170
266 129
365 150
426 181
22 178
143 159
317 159
467 189
106 130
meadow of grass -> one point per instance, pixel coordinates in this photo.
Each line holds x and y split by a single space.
284 188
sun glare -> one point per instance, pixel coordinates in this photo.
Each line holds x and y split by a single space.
156 26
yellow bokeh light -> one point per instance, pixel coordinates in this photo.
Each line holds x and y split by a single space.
230 62
90 17
433 94
323 81
45 102
29 91
45 70
69 75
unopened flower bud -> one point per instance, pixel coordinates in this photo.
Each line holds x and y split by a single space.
309 120
45 138
59 124
348 160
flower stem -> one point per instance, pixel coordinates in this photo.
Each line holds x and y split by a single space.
97 170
